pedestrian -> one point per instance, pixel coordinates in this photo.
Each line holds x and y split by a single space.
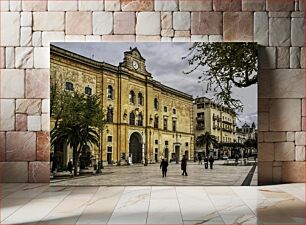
206 162
70 167
236 159
211 162
163 166
200 159
184 166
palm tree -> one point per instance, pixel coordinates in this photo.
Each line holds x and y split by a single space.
206 139
78 123
76 136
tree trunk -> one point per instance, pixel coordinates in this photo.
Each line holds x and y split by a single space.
207 150
75 160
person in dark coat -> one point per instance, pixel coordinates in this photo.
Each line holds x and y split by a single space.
70 166
184 166
163 166
206 162
236 159
211 162
200 159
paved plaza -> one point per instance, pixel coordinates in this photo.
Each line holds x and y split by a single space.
150 175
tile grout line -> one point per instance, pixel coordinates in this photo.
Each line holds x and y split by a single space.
55 207
214 205
246 203
116 205
22 188
87 204
149 205
177 198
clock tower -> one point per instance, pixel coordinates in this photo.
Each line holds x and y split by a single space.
134 62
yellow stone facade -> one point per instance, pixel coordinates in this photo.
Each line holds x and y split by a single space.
215 119
145 140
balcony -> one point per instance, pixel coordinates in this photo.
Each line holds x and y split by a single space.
227 129
227 122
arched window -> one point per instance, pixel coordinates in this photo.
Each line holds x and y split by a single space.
110 92
140 119
109 116
88 91
174 111
155 104
69 86
132 97
156 122
140 98
132 118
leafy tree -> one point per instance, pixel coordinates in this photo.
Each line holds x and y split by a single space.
224 66
206 139
78 119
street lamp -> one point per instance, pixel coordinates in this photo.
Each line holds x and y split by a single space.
100 162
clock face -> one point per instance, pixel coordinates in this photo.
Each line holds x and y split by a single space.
135 65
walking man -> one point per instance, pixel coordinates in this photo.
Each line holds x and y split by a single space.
206 162
70 167
184 166
200 159
163 166
211 162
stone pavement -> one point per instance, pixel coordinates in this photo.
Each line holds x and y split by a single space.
226 175
42 204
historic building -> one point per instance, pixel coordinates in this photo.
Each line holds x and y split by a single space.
146 120
218 120
245 132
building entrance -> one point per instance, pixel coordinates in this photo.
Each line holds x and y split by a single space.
135 148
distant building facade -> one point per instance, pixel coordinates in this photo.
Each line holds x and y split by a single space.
146 120
218 120
245 133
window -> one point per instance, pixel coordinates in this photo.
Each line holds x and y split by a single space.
174 111
186 144
140 98
132 97
109 138
174 125
166 142
87 90
165 109
155 104
200 106
156 122
69 86
110 91
109 116
109 149
132 118
156 142
165 124
140 120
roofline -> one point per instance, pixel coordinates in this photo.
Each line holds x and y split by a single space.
103 65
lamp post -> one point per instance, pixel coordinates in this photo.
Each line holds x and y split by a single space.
100 165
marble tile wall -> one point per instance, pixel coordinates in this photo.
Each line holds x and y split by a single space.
28 26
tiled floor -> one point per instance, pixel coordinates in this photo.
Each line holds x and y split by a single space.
42 204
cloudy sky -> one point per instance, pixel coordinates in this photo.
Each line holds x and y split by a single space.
164 62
